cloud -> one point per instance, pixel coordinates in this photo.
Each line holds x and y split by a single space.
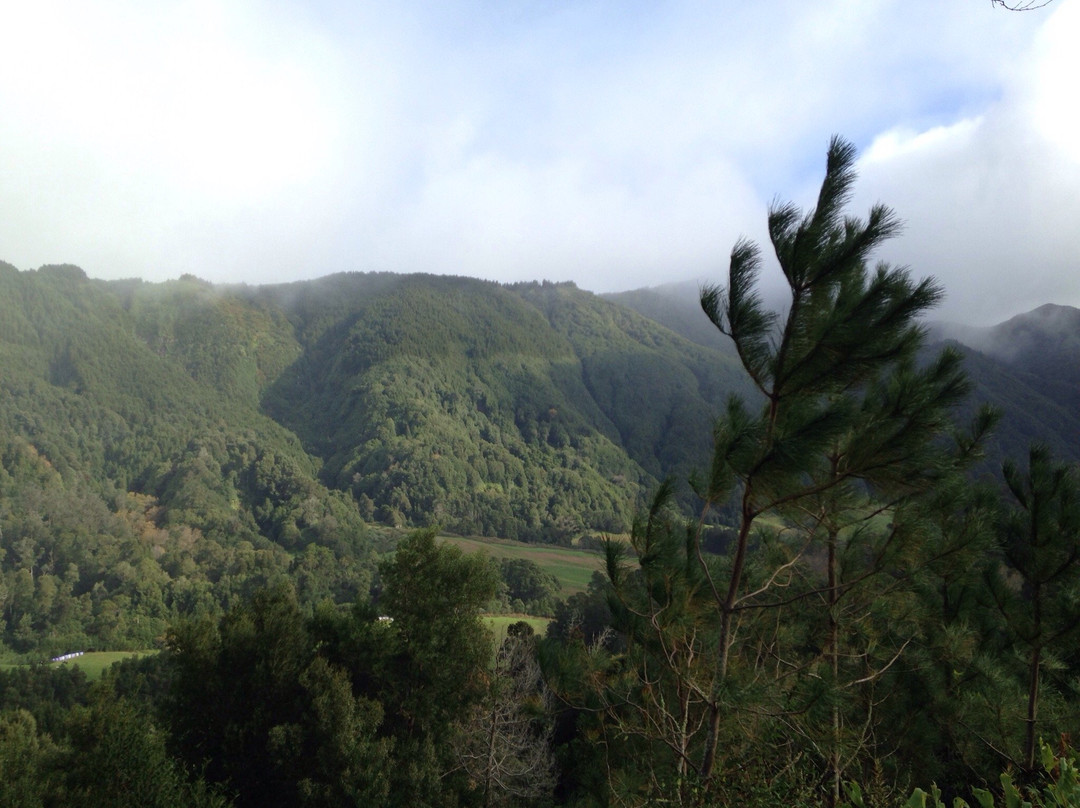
615 144
125 123
187 94
991 201
605 226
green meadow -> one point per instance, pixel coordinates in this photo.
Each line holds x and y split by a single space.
499 623
94 663
573 568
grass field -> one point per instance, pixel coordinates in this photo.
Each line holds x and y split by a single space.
94 663
572 568
498 623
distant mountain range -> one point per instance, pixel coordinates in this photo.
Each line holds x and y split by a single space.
296 413
1028 367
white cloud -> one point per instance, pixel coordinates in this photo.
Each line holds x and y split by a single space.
178 94
991 202
606 227
126 121
1052 78
615 144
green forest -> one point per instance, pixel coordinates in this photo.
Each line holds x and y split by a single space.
834 554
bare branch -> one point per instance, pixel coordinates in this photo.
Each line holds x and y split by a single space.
1024 5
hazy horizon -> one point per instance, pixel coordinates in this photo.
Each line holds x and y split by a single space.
616 145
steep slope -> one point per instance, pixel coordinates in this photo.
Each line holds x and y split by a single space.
533 411
1045 344
155 389
1029 366
660 390
138 479
166 448
677 307
449 401
1028 414
288 413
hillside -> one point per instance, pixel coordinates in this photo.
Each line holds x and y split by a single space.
167 448
138 478
1028 367
533 411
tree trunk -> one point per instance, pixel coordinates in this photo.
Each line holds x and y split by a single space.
727 610
1032 708
1033 679
834 654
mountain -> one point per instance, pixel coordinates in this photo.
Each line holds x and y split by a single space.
139 479
1028 367
1042 345
536 411
677 307
167 448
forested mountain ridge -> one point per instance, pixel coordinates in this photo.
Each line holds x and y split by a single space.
132 487
451 401
1042 344
534 411
1029 366
397 384
210 440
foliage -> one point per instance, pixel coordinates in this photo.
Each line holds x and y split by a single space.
529 589
104 753
339 707
138 479
452 401
850 430
505 745
785 639
24 754
1058 786
142 479
306 740
1042 552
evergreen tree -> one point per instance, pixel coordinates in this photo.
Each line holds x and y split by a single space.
1041 532
117 758
26 758
435 654
849 412
255 701
781 635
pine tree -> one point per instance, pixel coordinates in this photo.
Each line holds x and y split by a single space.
779 640
1041 531
849 432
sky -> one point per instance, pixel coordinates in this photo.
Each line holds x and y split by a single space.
614 143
